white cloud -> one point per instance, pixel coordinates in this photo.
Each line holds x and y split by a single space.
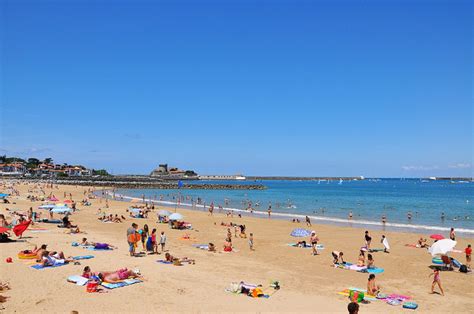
460 165
419 168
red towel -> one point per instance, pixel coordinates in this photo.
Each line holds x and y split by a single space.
21 227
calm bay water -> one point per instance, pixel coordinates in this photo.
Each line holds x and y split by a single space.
331 201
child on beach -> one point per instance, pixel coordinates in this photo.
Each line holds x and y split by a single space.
338 257
468 252
162 241
436 281
386 246
153 241
251 242
372 287
368 239
370 261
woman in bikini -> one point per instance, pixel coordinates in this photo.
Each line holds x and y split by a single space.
372 287
119 275
436 281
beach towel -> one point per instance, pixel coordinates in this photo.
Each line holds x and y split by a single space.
201 246
308 246
91 248
362 269
53 221
347 292
376 250
126 282
163 261
76 258
78 280
39 266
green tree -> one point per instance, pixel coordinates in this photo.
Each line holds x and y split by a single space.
48 161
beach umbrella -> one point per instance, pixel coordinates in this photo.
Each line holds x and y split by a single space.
442 247
299 232
61 210
176 216
47 206
164 212
437 236
3 229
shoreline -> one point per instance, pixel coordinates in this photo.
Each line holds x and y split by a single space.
334 221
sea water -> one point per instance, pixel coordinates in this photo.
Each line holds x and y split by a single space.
332 201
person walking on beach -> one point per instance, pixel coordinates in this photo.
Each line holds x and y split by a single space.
211 209
468 252
436 281
314 242
162 241
251 242
386 246
368 239
131 238
308 221
269 211
452 235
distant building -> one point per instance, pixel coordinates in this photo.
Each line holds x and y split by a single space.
172 173
10 169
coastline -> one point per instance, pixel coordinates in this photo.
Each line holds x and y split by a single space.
309 283
388 226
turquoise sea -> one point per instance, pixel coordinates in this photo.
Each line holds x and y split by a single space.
332 201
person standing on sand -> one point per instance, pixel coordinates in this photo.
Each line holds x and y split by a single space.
269 211
211 209
251 242
368 239
314 242
452 235
162 241
436 281
130 238
468 252
308 221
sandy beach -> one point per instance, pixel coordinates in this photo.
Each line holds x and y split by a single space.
308 283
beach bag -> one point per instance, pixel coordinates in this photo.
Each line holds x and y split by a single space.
356 296
463 269
134 237
410 305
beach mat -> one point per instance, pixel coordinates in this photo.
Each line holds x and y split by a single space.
77 258
361 269
201 246
126 282
91 248
163 261
308 246
78 280
38 266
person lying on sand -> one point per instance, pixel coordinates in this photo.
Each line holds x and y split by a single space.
53 259
73 231
118 275
178 261
102 246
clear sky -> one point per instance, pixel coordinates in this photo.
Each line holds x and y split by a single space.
373 88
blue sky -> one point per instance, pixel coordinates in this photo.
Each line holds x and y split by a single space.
374 88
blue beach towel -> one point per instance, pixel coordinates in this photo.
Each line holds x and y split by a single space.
83 257
126 282
163 261
38 266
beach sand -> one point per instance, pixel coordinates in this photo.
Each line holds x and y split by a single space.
308 283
